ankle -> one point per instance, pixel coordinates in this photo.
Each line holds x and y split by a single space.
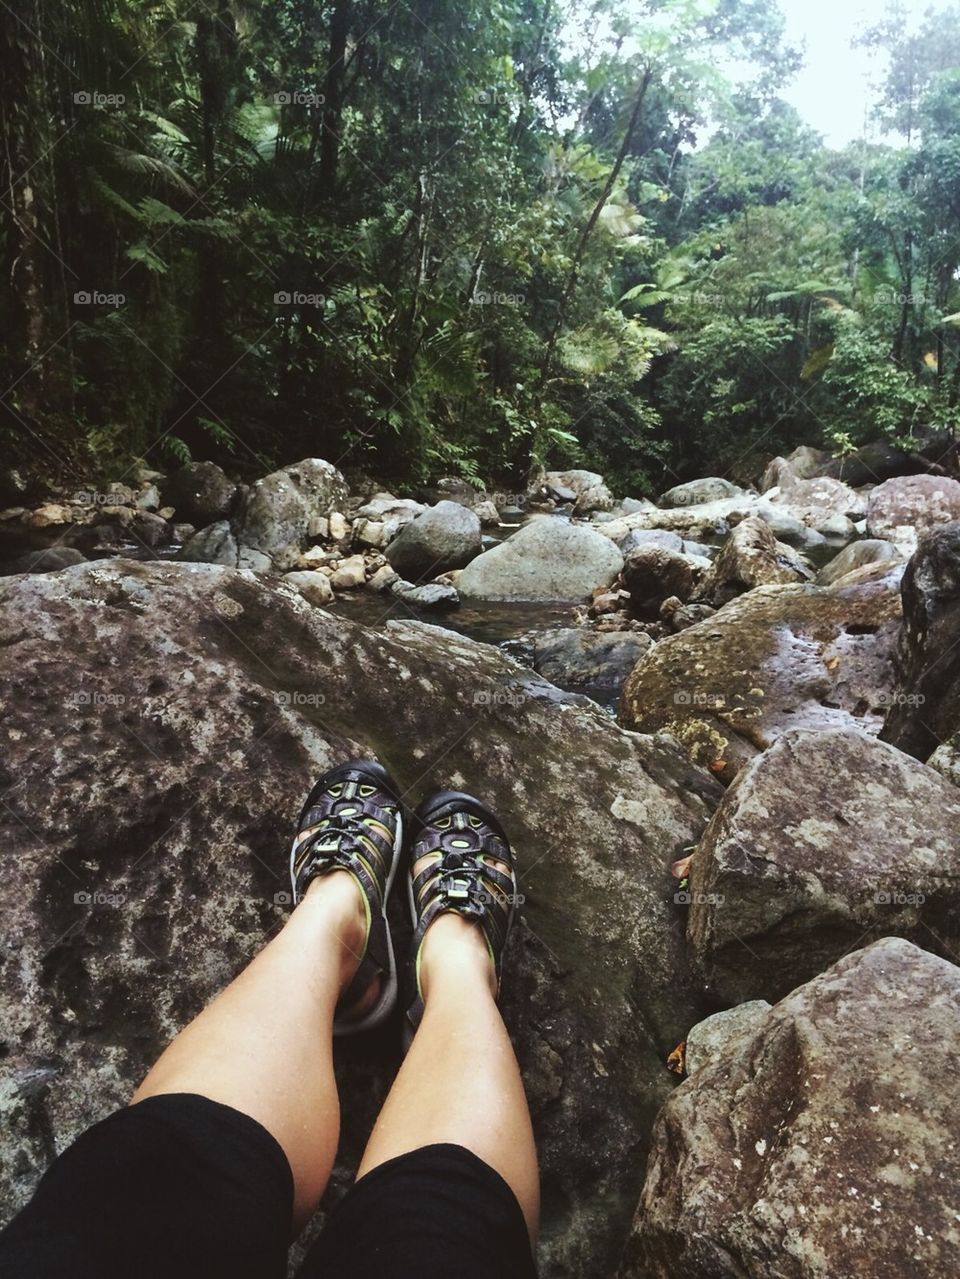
454 954
335 901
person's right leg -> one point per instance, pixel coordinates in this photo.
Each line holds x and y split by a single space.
460 1082
448 1184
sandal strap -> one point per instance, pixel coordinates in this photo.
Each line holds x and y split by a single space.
460 879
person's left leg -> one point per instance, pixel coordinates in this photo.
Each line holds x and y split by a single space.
228 1143
265 1045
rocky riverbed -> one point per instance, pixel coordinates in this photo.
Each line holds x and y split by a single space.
734 990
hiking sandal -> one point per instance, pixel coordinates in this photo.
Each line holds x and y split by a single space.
463 841
352 821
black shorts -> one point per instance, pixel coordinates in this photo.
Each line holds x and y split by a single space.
180 1187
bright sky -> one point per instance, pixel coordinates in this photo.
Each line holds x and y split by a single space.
833 89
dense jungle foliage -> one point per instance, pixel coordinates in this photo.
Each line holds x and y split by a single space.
427 237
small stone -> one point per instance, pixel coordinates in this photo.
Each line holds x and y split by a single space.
338 526
313 586
349 574
383 578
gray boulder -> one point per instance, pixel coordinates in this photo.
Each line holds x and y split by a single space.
804 463
652 537
925 709
312 585
822 1144
828 840
912 502
43 560
390 514
282 512
653 574
548 559
215 544
445 536
695 492
199 492
777 658
819 495
589 490
578 658
708 1038
751 556
870 550
179 713
435 595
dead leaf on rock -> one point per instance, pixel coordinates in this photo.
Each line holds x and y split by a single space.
680 869
677 1061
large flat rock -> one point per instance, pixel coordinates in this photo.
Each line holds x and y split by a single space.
162 723
776 658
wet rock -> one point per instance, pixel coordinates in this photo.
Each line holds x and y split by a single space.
370 533
315 587
946 760
695 492
925 710
487 513
45 560
828 840
708 1038
652 537
384 578
445 536
804 463
652 574
823 1143
349 574
391 512
869 551
779 657
200 493
214 544
917 502
577 657
148 499
282 511
435 595
678 616
179 713
548 559
590 491
751 556
819 495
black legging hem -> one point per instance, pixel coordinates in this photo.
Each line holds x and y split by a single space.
181 1187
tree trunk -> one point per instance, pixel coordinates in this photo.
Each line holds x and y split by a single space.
592 222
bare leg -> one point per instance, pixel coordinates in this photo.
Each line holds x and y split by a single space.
265 1045
460 1082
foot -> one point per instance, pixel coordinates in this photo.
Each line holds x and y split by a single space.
351 825
462 889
